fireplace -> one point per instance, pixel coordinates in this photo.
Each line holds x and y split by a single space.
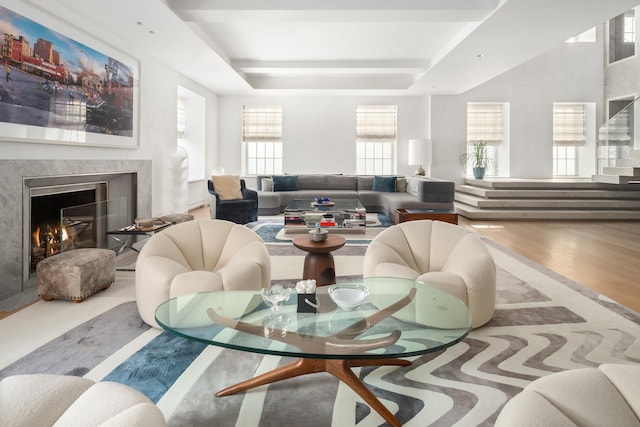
52 231
128 179
75 211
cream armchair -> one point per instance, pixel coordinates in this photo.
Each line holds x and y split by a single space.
445 255
198 256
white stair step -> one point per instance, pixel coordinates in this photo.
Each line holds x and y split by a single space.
622 170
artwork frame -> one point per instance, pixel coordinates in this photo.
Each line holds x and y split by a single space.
60 85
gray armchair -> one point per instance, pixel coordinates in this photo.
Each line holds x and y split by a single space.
240 211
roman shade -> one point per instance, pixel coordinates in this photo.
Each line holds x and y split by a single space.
376 123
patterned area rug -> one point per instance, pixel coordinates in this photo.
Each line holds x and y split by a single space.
544 323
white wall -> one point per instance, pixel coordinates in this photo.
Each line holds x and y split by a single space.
318 131
569 73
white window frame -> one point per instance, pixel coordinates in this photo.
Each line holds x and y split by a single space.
376 137
262 139
569 133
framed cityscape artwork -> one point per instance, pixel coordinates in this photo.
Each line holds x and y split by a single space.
57 89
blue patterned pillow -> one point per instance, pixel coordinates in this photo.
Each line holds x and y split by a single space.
285 183
384 183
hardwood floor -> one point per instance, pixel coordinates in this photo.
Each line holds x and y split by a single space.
602 256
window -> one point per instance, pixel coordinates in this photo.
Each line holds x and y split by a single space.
190 126
182 117
485 123
629 28
588 36
376 129
569 126
262 136
622 36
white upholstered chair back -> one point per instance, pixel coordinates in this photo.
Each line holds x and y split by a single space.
442 254
197 256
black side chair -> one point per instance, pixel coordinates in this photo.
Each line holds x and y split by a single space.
240 211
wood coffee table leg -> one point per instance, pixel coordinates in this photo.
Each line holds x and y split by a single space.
338 368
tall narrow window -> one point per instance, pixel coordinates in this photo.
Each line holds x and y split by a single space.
190 120
262 136
376 130
182 117
622 36
485 123
569 126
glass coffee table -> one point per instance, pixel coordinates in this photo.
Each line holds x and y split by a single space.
401 318
343 215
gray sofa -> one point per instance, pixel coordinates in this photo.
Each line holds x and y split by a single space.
410 192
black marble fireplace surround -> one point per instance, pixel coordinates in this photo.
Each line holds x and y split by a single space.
21 179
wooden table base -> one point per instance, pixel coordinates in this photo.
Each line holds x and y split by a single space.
336 367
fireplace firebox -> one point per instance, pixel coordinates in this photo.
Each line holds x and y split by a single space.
50 233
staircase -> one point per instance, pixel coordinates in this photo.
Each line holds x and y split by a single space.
552 199
626 171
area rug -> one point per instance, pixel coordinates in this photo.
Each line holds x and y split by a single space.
544 323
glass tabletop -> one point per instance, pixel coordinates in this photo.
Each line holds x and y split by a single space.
400 318
333 205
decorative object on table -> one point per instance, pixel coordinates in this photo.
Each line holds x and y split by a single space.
322 201
275 295
420 153
348 296
145 224
307 301
476 155
318 234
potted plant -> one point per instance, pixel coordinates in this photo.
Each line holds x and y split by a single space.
477 155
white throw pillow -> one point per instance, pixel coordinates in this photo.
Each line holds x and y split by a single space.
227 186
266 184
401 185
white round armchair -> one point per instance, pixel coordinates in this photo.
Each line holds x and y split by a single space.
198 256
63 400
445 255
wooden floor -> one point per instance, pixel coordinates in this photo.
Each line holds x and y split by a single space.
603 256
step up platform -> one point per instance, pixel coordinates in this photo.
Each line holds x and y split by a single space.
548 199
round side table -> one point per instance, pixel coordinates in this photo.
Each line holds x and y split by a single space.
318 263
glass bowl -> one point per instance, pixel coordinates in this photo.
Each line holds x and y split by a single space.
348 296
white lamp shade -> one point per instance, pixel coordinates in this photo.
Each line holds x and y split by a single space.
420 152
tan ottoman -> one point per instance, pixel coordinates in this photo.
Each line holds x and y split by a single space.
76 274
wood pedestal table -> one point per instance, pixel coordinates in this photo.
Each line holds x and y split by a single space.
318 263
400 318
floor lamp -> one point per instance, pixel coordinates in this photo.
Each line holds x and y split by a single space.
419 155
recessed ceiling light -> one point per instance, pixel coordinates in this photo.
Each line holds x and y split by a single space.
139 23
480 55
152 32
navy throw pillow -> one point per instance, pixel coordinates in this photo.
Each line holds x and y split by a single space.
285 183
384 183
